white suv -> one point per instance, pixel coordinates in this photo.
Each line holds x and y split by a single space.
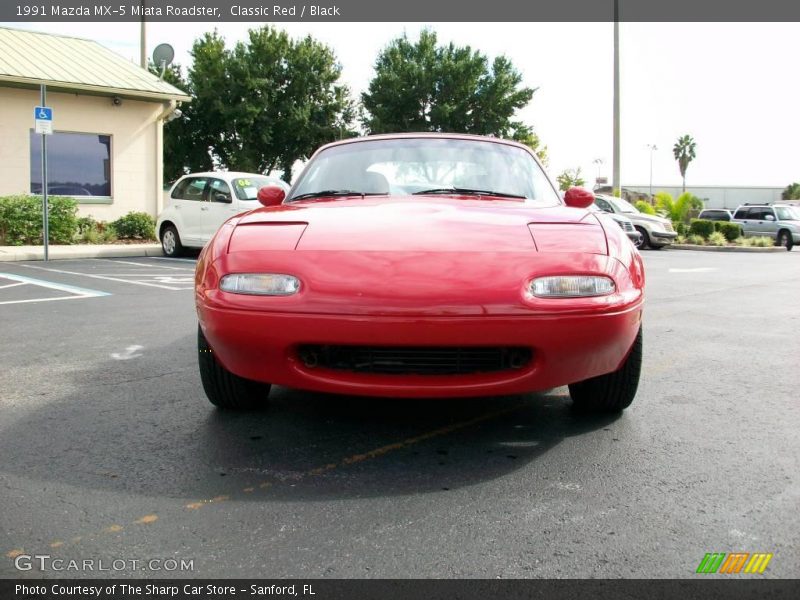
200 202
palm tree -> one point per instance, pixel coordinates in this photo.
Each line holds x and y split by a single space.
684 152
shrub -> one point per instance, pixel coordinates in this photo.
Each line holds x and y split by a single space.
717 239
680 228
701 227
680 208
644 207
681 239
86 224
731 231
21 220
135 225
699 240
758 242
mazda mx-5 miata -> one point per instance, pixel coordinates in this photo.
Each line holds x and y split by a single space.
421 265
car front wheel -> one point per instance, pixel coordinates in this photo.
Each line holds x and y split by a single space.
171 242
223 388
785 240
643 239
612 392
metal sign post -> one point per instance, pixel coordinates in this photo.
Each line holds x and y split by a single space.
43 119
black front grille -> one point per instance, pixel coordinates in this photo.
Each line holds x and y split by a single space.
424 360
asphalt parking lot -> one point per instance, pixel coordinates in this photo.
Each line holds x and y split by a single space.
111 451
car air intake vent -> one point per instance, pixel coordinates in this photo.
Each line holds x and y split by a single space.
426 360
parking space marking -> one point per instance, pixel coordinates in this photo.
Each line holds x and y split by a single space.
148 265
10 285
186 260
74 291
694 270
144 283
130 352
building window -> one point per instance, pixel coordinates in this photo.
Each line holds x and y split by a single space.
78 164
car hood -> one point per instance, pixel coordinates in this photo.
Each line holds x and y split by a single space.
646 218
412 224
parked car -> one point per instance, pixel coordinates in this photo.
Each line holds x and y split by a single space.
715 214
781 222
656 231
200 202
354 284
624 222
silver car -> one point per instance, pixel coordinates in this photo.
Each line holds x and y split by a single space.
656 232
625 224
781 222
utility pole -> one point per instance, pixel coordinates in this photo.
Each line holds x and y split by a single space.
616 185
142 40
653 148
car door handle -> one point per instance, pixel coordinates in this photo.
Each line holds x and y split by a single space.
177 207
203 208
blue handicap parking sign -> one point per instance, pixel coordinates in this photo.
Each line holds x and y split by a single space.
43 113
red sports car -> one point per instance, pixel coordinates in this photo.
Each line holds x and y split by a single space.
421 265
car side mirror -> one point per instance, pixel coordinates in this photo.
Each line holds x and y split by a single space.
224 198
271 195
578 197
769 218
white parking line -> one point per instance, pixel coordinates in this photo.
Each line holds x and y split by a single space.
75 292
130 262
10 285
186 260
694 270
144 283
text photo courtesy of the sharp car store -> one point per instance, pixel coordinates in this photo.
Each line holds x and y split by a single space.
101 579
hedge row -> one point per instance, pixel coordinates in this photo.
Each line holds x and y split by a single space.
21 223
705 228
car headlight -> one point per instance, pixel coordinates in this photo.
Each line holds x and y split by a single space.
260 284
571 286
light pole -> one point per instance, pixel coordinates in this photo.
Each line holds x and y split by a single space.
599 162
653 148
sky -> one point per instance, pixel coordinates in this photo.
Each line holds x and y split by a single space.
732 86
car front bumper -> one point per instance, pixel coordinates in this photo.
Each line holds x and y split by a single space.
662 238
565 349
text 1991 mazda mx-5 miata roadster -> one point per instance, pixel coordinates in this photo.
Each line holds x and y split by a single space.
421 265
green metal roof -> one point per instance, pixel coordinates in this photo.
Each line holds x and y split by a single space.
29 59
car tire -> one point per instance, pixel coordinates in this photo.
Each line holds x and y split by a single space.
223 388
644 242
613 392
171 242
785 240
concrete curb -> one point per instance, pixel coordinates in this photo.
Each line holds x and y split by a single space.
727 248
17 253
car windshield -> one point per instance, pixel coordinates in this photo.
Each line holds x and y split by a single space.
623 206
247 187
788 213
426 166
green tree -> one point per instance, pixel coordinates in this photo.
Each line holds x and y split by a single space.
182 153
677 210
569 178
791 192
684 153
423 86
261 105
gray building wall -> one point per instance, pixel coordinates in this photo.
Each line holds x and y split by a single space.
714 196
